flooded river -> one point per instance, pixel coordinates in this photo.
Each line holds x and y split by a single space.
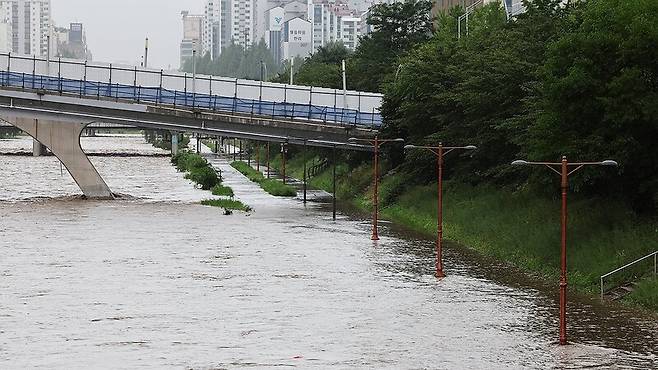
156 280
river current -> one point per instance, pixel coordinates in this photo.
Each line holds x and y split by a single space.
155 280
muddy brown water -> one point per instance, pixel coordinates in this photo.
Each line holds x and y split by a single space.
156 280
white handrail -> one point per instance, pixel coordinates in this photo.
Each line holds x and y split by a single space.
655 268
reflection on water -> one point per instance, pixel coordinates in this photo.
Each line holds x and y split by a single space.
161 282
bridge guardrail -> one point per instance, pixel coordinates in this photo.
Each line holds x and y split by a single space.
96 80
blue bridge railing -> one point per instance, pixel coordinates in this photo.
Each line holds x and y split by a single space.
190 97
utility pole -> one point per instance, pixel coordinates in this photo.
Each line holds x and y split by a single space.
48 56
344 85
146 53
194 67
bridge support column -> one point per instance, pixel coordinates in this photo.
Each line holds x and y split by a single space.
174 143
63 140
38 149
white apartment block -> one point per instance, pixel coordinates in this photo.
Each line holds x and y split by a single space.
242 22
334 21
25 26
216 26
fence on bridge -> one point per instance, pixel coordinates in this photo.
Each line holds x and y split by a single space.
96 80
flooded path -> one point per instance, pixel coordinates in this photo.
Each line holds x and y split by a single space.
158 281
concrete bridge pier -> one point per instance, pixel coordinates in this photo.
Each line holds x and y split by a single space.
63 140
38 149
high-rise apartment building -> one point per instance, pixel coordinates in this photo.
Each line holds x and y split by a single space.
242 22
216 27
334 21
25 26
192 35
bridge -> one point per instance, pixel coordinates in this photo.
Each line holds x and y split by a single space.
55 100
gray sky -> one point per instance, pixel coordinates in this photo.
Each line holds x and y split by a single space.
116 29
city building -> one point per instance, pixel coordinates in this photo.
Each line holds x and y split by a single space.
242 22
333 21
192 35
25 26
216 27
71 42
276 20
298 40
512 7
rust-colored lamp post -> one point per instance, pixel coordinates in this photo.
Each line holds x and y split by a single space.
440 151
284 151
375 143
267 159
564 169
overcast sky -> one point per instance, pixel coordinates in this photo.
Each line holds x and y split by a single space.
116 29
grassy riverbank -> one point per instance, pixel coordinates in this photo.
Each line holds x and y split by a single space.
272 186
517 227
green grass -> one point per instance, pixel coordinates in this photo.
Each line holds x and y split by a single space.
230 204
221 190
645 294
278 188
272 186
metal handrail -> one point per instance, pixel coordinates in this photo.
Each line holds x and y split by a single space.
96 81
655 268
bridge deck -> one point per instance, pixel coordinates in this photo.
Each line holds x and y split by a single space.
217 94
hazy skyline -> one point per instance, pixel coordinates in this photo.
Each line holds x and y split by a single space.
116 29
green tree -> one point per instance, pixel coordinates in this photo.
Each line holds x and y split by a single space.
397 28
472 90
600 97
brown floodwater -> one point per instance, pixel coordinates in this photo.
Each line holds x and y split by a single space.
155 280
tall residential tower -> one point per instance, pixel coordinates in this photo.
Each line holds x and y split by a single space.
25 26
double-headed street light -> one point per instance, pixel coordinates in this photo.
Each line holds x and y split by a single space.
440 151
375 143
564 169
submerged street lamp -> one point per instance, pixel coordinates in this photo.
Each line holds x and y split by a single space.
284 151
440 151
375 143
564 169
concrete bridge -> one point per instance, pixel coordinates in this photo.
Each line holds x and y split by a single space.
54 101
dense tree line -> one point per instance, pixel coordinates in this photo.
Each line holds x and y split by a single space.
576 79
238 62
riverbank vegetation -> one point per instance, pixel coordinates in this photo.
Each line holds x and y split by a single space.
9 133
272 186
197 168
227 204
577 79
222 190
204 175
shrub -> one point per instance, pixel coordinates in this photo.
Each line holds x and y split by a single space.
222 190
204 176
227 204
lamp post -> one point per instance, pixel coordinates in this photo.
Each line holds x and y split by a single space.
257 157
375 143
305 171
267 154
564 169
284 151
440 151
146 53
